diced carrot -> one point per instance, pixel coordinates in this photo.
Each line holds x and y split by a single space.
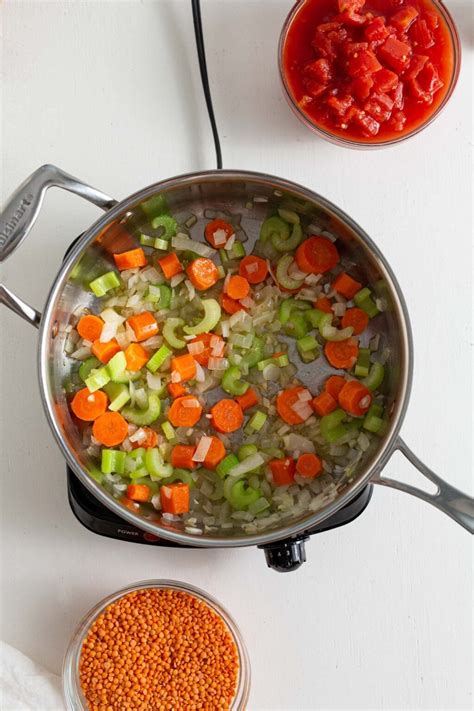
202 273
215 453
170 265
105 351
342 354
130 260
227 416
334 385
357 318
284 404
181 415
150 441
323 304
175 498
309 465
185 365
203 357
110 429
138 492
129 504
254 269
182 456
143 325
248 399
355 398
89 406
176 389
237 287
90 327
223 229
316 255
323 404
347 286
231 306
136 357
283 471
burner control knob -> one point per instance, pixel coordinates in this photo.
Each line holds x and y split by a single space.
285 556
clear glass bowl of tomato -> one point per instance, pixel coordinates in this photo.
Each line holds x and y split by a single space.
368 74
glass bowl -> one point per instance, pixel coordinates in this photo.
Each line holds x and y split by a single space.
370 142
74 698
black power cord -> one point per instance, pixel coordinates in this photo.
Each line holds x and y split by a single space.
204 77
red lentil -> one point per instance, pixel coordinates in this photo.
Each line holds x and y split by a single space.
159 650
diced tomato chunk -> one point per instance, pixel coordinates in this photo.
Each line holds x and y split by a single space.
379 107
361 87
429 79
432 19
404 18
339 104
395 53
353 47
329 26
352 18
376 29
421 34
398 120
363 63
417 91
368 125
324 45
350 5
314 88
416 65
385 80
320 70
398 96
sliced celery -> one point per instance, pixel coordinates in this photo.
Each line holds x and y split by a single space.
155 465
331 425
144 417
373 421
168 431
362 365
167 223
179 475
282 276
212 314
118 394
238 250
281 361
375 377
147 241
246 450
314 317
288 245
261 504
165 296
226 464
160 244
242 495
331 333
104 283
158 358
87 366
232 382
113 461
97 379
288 306
274 226
254 354
297 326
309 356
257 421
169 332
117 365
363 299
307 343
289 216
156 205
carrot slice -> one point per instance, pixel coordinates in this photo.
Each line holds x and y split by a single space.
254 269
170 265
222 228
130 260
283 471
316 255
248 399
203 357
342 354
202 273
185 365
323 304
323 404
182 456
309 465
150 441
143 325
346 285
357 318
355 398
227 416
105 351
176 389
181 415
215 453
136 357
110 429
89 406
237 287
284 402
231 306
138 492
90 327
175 498
334 385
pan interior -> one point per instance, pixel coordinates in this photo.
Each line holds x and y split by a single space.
249 199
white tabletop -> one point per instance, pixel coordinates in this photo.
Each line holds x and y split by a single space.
379 616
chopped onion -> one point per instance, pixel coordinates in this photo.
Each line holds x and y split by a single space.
177 279
152 342
236 318
339 309
151 275
218 349
153 381
252 268
191 402
247 302
283 430
196 347
81 353
122 339
183 243
202 449
175 376
108 332
329 235
191 289
218 363
304 395
130 333
200 374
247 465
111 316
302 409
219 237
312 279
138 436
260 198
295 442
230 243
296 273
225 328
271 372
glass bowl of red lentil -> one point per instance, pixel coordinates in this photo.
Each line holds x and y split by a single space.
294 50
158 644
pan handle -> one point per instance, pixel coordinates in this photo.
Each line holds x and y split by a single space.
19 215
447 499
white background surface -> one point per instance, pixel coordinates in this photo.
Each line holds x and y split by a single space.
379 617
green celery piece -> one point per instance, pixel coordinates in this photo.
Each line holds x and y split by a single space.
168 431
156 205
372 423
147 241
224 257
179 475
226 464
331 425
288 245
246 450
238 250
138 454
231 381
158 358
362 365
161 244
104 283
281 361
113 461
118 394
254 354
144 417
375 377
155 465
289 216
96 474
169 332
309 356
307 343
87 366
274 452
257 421
127 376
242 495
287 306
363 299
165 296
261 504
314 317
274 226
212 315
97 379
282 273
168 223
297 326
331 333
117 365
139 473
